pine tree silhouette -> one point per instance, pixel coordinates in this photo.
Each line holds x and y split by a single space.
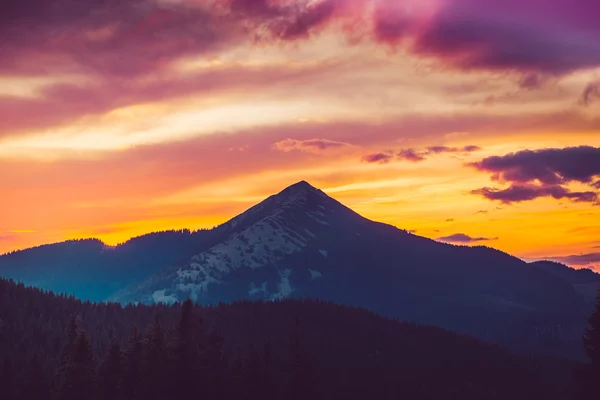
187 353
132 377
155 366
77 370
302 380
214 358
589 374
36 385
7 381
111 373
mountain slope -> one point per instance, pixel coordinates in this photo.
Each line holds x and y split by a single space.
355 354
302 243
90 270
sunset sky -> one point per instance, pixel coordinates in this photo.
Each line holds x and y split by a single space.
476 121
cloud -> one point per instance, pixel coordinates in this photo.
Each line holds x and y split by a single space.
518 193
63 103
463 238
590 93
446 149
7 236
129 38
414 155
410 155
482 212
579 259
548 166
450 220
381 158
542 173
512 35
309 145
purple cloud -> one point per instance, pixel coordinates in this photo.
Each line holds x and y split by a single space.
518 193
410 155
381 158
548 166
525 36
542 173
590 93
463 238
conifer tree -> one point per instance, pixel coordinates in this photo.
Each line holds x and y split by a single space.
214 357
589 374
36 385
132 377
77 374
187 354
7 381
301 379
111 373
155 367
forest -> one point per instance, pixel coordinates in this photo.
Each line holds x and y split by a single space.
58 347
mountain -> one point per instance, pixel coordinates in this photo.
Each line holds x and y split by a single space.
90 270
585 281
301 243
352 353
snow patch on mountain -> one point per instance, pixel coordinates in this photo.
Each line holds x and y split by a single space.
284 286
256 290
314 274
159 296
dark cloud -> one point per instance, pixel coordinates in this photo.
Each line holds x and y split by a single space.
518 193
548 166
590 93
381 158
482 212
523 36
463 238
125 38
542 173
414 155
447 149
579 259
450 220
411 155
532 81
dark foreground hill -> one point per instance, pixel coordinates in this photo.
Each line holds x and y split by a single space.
341 352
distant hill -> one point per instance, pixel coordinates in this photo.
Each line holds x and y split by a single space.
90 270
301 243
354 354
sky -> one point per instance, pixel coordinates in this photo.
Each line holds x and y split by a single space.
468 121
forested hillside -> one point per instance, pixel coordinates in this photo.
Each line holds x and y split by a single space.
249 350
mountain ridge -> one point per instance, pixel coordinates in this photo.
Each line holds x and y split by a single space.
301 243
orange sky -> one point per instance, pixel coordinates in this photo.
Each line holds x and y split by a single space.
202 135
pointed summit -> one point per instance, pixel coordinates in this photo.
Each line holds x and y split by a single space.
300 187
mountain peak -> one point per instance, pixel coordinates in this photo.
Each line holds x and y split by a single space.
301 186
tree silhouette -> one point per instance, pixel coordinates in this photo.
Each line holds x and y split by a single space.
155 367
77 371
111 373
187 354
589 374
36 385
7 381
133 367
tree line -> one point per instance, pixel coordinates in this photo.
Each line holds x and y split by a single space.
187 361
